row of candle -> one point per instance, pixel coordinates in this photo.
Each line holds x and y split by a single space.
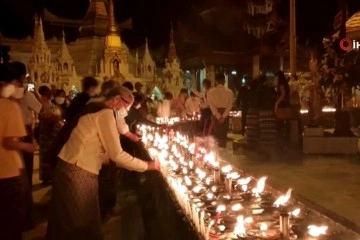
222 203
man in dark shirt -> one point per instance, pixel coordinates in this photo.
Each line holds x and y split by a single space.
89 86
139 88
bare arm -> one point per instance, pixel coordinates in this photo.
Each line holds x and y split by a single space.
282 95
13 143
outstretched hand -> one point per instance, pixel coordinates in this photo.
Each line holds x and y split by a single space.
154 165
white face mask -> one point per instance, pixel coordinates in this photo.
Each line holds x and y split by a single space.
60 100
7 90
18 93
122 112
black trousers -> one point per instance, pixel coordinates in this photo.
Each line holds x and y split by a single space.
220 130
27 179
11 208
205 120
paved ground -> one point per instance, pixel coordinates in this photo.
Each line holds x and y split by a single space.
330 181
41 195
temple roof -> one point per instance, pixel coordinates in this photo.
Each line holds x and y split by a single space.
95 22
353 23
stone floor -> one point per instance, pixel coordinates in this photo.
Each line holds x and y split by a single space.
330 181
41 195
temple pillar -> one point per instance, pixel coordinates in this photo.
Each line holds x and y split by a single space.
210 74
281 63
256 66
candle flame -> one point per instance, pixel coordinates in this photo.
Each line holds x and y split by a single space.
236 207
221 208
226 169
317 231
249 220
209 196
197 189
233 175
244 181
263 227
296 212
240 226
283 199
261 184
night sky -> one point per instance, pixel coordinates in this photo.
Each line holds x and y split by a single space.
152 17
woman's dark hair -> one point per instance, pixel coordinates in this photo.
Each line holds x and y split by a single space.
59 91
89 82
262 79
168 96
128 85
45 91
7 73
220 78
281 78
206 82
19 68
184 90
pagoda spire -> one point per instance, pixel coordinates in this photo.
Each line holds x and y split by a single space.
112 23
113 39
95 20
147 57
64 51
172 48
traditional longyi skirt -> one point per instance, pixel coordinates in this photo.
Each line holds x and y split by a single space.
74 213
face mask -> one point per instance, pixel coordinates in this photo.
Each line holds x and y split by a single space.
60 100
122 112
18 93
138 106
7 90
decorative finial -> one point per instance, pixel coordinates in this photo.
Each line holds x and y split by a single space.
171 32
112 22
1 51
63 35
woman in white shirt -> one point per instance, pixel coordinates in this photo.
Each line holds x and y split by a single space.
93 141
164 107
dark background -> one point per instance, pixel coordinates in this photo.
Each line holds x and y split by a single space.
152 17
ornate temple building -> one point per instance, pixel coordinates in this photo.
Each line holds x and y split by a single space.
98 51
172 73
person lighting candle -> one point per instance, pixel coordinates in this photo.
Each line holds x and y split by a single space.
94 139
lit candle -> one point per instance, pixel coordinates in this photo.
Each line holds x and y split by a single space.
207 233
219 209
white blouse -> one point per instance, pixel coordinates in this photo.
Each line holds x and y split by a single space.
95 140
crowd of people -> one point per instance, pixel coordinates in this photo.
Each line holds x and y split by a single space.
77 139
83 142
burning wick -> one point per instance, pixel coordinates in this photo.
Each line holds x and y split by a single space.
236 207
209 196
317 231
263 229
219 209
296 212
